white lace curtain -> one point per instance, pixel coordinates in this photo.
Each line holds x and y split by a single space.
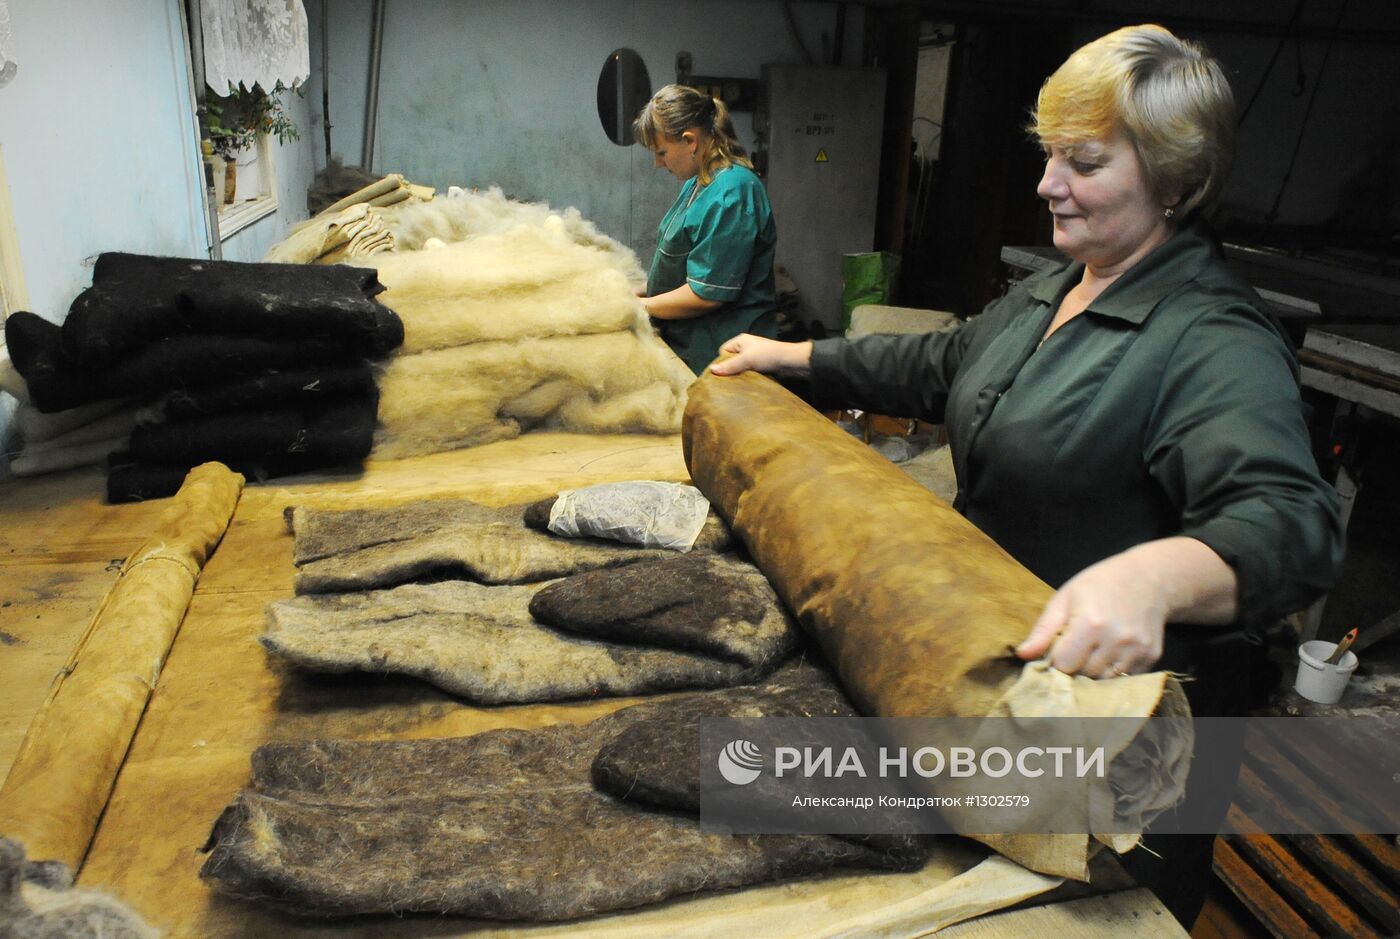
253 41
7 52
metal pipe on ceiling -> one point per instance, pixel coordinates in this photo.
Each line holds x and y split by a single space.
376 53
326 76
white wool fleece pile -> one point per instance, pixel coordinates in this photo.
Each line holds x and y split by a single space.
524 318
521 282
466 214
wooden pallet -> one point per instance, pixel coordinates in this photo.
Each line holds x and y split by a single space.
1305 885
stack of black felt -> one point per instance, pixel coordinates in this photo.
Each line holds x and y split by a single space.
261 366
268 425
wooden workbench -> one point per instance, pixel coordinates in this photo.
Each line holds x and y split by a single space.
219 697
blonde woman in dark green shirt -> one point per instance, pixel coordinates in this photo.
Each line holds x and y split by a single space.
712 275
1128 426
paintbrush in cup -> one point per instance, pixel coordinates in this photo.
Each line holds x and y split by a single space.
1342 648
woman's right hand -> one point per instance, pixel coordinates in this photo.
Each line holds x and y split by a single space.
756 353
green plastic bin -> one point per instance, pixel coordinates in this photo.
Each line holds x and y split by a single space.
870 277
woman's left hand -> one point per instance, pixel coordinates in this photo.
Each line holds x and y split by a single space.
1106 621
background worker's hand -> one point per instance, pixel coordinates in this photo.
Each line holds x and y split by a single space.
1106 621
758 354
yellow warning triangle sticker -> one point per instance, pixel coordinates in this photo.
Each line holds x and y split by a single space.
821 156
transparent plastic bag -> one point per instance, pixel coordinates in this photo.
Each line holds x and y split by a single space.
647 513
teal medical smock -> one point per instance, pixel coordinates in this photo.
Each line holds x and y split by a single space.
719 239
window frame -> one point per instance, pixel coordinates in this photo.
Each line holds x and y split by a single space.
13 295
238 216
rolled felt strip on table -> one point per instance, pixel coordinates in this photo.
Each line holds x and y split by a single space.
915 608
67 764
387 184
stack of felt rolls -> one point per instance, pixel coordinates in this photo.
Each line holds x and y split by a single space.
260 366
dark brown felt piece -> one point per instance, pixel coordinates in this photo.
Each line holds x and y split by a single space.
504 825
704 603
363 549
654 757
536 514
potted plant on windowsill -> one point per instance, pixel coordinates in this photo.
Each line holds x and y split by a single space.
234 122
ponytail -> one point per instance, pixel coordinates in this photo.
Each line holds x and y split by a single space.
676 109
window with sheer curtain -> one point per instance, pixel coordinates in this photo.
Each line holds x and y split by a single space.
254 42
251 43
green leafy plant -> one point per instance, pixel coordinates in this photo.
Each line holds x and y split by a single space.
236 119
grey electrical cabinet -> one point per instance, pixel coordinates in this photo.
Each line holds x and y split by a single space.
822 130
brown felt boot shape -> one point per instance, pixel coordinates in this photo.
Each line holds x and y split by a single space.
485 826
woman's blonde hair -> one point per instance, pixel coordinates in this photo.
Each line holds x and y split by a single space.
1167 95
676 109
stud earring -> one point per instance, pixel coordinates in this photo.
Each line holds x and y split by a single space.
1168 214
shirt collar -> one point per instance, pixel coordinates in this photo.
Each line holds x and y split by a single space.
1136 294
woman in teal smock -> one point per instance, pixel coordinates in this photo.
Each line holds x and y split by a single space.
712 277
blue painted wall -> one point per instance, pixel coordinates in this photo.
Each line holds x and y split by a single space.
99 140
503 92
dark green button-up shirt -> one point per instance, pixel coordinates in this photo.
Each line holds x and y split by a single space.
1169 407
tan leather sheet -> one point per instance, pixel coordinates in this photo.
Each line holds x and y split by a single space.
59 783
917 610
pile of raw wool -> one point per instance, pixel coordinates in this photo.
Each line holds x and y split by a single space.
515 317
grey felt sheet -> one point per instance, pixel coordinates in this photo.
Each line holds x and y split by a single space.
479 642
38 901
363 549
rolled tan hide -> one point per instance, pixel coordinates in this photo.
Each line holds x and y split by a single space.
916 609
368 193
60 781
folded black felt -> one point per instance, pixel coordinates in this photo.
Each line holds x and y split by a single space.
190 360
292 387
137 299
55 382
129 480
261 444
149 324
359 325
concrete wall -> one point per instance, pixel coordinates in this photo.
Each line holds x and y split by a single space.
503 92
